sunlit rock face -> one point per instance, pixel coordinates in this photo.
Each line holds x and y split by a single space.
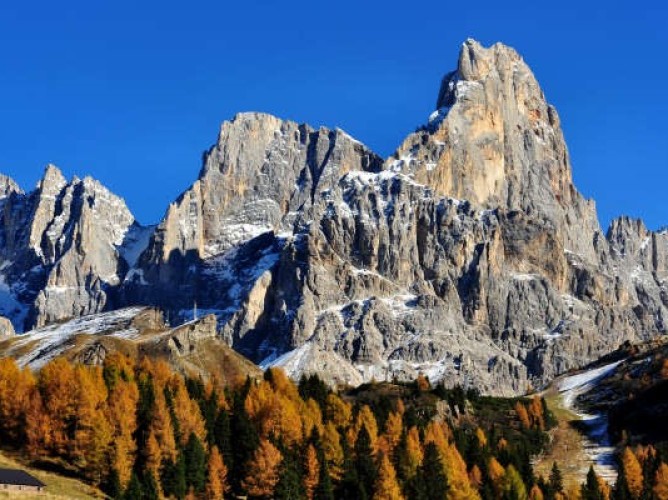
468 255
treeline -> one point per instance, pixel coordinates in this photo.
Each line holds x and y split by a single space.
140 431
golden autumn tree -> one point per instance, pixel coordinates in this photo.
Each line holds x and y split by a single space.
216 485
262 471
632 472
661 482
475 477
58 389
38 427
338 411
92 431
386 486
523 415
331 445
188 415
392 435
162 429
121 405
414 453
458 478
536 493
311 472
16 389
496 473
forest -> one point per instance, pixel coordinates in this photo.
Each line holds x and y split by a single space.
139 430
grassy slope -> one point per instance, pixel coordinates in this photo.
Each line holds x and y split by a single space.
566 447
57 486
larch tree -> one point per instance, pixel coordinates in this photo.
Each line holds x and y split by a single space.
386 486
58 389
536 493
216 485
331 445
16 389
632 473
121 406
338 411
92 431
496 472
661 482
262 471
188 415
311 471
522 415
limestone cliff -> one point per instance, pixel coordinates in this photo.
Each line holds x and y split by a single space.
468 255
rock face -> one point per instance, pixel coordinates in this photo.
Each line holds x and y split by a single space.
63 248
468 255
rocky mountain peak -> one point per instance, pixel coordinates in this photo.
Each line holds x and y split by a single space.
52 181
8 186
468 255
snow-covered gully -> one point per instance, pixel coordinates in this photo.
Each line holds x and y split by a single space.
597 442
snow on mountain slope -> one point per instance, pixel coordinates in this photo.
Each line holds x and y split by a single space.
38 347
598 446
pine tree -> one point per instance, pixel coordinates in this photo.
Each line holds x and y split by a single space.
513 486
149 486
246 439
196 465
113 486
364 461
173 477
386 486
290 485
325 489
591 490
222 437
432 473
556 479
134 490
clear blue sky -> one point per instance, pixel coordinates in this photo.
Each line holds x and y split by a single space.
133 92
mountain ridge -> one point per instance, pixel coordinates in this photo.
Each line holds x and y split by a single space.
468 254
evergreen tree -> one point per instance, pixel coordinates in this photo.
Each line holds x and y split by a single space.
556 479
591 489
513 486
222 437
113 486
364 462
133 491
325 490
149 487
246 439
196 464
432 473
289 485
174 477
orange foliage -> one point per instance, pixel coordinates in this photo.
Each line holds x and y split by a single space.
387 487
216 485
263 469
312 471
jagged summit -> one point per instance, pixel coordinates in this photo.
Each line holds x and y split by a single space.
468 255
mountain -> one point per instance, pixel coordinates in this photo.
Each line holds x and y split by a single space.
468 255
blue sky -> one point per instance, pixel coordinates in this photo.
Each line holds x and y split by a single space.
132 93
